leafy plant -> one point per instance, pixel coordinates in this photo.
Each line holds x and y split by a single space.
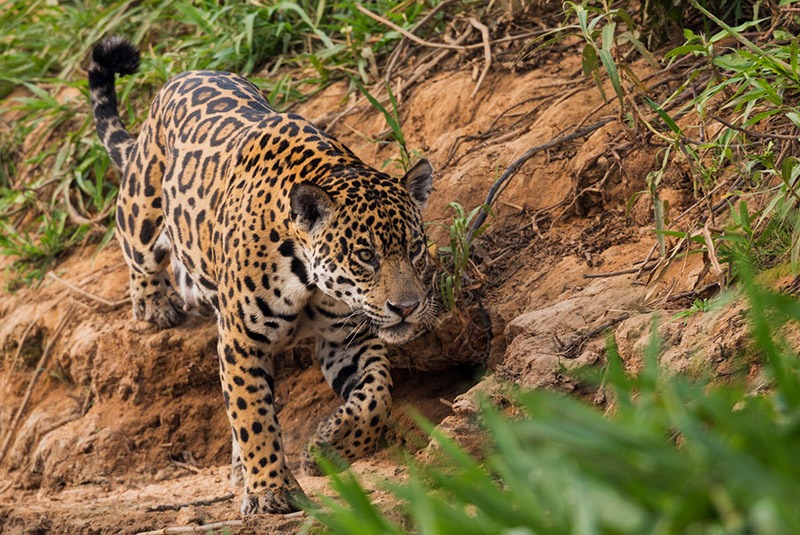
393 121
662 17
603 28
698 305
34 254
459 268
753 85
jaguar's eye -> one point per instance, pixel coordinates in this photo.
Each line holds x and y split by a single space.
366 256
416 249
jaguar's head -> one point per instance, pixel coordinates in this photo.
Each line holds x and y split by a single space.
365 244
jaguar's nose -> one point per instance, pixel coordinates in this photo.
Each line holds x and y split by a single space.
403 310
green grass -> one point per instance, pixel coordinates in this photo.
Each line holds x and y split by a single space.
395 129
36 251
458 268
698 306
754 87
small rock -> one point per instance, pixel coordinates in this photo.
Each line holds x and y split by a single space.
585 358
189 515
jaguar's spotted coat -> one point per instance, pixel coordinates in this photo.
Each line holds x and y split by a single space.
285 234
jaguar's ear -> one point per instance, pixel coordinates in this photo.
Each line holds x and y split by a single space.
311 206
419 182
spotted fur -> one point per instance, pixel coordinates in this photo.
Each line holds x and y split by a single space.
285 234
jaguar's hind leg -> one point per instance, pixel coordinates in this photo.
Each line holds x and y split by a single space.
145 245
154 299
358 371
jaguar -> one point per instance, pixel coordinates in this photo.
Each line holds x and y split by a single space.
283 233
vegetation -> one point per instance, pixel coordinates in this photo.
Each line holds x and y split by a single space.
36 255
458 268
732 122
395 129
698 306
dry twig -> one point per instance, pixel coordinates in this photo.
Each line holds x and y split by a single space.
205 528
646 261
78 219
179 506
396 54
487 53
514 167
80 291
752 133
694 293
411 37
405 33
712 256
186 466
523 102
424 68
613 273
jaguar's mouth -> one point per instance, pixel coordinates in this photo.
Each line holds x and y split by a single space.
399 332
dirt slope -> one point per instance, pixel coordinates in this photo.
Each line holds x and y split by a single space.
126 417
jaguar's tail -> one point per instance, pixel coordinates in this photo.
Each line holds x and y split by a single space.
111 56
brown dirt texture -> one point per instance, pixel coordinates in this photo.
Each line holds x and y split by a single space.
125 418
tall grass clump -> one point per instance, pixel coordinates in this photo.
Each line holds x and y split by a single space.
403 160
670 455
731 125
745 126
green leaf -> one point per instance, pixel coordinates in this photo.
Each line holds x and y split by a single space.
589 59
608 61
639 46
684 50
794 117
664 116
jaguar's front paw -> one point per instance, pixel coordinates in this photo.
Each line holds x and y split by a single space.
321 450
342 438
278 501
309 464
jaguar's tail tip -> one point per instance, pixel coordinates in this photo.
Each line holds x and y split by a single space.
117 55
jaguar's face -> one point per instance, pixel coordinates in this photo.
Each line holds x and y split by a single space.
369 249
380 277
